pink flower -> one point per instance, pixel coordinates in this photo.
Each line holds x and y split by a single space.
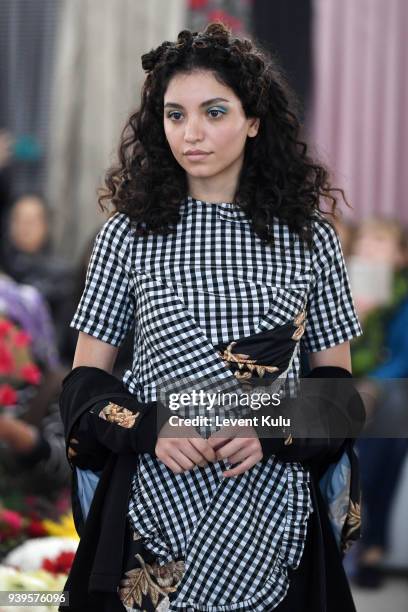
12 520
31 374
8 395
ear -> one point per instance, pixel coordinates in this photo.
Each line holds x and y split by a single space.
253 126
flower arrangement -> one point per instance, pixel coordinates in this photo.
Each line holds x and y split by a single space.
41 564
17 367
16 528
12 579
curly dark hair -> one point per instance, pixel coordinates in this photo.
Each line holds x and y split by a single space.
278 177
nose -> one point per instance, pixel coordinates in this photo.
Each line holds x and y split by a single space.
193 130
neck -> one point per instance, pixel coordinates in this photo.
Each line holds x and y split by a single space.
219 188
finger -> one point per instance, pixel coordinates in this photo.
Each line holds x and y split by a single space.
179 456
71 453
249 447
229 449
172 465
204 449
239 456
165 452
241 468
216 442
196 455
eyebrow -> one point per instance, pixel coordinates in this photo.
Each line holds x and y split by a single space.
206 103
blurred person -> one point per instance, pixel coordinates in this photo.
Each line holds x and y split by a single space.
213 153
380 357
26 306
29 228
28 255
32 450
345 231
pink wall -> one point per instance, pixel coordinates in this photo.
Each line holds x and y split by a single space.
360 117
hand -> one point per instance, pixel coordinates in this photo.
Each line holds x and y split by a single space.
185 452
247 451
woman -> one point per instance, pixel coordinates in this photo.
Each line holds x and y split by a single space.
217 238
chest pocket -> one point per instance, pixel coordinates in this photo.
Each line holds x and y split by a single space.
286 303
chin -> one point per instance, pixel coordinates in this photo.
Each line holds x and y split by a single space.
199 172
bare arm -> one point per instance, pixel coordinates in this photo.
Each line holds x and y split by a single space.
94 353
338 356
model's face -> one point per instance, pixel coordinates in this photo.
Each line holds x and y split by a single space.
378 244
205 124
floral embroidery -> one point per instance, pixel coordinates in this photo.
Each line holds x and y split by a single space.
289 440
300 322
244 361
352 525
150 580
119 415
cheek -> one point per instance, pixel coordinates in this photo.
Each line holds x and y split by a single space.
172 136
230 135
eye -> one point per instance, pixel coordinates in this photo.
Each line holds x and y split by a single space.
171 115
219 111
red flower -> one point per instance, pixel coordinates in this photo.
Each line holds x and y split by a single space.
8 396
5 327
22 338
35 529
59 565
31 374
6 361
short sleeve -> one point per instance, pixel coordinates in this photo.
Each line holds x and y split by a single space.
331 315
106 308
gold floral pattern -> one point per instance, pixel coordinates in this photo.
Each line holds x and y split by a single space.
351 525
246 365
300 323
119 415
289 440
150 580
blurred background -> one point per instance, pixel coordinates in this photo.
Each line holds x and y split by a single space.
70 74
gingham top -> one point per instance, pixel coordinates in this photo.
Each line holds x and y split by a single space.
215 281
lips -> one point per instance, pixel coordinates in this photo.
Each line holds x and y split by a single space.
196 155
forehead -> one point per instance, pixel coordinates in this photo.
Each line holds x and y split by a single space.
28 205
195 87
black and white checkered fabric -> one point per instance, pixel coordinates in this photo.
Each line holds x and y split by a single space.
215 281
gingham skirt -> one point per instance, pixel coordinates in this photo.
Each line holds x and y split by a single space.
230 540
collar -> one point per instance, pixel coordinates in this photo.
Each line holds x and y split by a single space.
227 211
